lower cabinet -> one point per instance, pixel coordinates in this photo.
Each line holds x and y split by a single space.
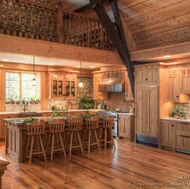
175 135
126 126
2 126
167 134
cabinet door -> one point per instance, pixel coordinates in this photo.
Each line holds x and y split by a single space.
185 80
126 127
146 75
71 86
146 110
128 91
96 82
182 136
167 133
58 85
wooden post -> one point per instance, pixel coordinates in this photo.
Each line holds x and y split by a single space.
60 23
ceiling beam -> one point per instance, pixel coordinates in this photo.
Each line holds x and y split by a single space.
117 35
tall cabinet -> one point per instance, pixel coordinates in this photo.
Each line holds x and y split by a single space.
149 99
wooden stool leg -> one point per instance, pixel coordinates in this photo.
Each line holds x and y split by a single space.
80 142
97 141
27 146
71 143
62 145
105 138
89 140
52 145
42 146
31 149
110 129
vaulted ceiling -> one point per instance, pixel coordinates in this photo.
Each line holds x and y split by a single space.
151 23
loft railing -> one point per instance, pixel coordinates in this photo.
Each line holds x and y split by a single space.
32 20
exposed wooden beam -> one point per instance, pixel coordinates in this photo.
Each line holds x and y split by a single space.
116 36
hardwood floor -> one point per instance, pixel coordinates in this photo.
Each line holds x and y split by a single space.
131 166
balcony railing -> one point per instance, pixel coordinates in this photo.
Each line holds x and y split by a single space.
36 21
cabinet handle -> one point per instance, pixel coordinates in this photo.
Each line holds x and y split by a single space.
146 79
184 136
177 96
172 125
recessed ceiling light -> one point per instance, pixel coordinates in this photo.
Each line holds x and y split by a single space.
167 56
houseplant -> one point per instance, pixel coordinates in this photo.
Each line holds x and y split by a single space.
177 112
85 103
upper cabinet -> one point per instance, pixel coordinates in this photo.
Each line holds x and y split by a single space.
71 86
63 86
185 79
146 75
97 78
176 84
58 85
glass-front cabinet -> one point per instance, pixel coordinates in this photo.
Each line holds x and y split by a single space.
58 85
71 86
63 85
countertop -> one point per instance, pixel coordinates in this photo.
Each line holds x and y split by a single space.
73 110
183 120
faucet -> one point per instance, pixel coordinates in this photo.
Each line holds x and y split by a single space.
25 106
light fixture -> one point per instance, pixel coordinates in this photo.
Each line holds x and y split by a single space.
34 78
80 82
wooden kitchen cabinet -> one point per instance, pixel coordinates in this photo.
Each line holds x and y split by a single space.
167 134
71 86
146 75
173 84
57 85
126 126
146 110
2 126
182 136
96 81
175 135
185 79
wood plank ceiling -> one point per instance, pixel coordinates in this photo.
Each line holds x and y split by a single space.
151 23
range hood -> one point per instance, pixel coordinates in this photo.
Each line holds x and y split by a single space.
112 84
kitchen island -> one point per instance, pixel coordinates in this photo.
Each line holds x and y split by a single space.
15 141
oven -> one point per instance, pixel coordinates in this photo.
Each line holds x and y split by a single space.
115 126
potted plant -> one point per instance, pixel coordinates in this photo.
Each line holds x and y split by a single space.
85 103
178 112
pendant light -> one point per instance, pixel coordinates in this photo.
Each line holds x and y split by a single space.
34 78
80 82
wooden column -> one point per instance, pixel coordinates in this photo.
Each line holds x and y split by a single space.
116 36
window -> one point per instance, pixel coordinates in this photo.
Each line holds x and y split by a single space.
21 86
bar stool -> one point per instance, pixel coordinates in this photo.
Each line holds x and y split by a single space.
55 131
73 128
35 130
91 126
107 124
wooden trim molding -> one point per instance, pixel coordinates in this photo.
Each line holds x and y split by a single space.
36 47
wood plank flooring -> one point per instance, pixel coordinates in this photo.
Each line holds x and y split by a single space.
130 166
